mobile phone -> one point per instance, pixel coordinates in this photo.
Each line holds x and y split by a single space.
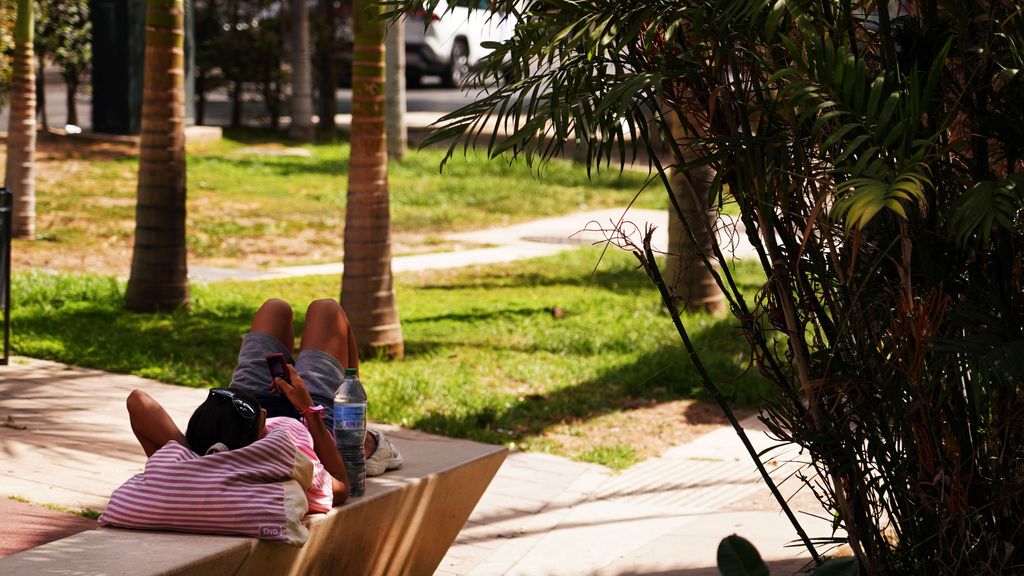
276 363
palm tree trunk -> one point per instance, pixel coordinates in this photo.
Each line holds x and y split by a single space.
21 137
688 279
302 82
159 279
398 138
367 291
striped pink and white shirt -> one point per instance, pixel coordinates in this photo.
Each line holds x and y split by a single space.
259 490
321 494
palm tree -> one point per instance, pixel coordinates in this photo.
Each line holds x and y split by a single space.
21 138
690 230
302 84
366 287
159 278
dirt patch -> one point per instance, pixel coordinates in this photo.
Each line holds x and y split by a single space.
275 150
54 147
85 218
649 427
111 257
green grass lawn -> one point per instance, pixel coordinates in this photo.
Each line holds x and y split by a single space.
485 357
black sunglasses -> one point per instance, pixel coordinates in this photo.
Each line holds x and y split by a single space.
244 409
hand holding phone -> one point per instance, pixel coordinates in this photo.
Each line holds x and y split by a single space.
278 369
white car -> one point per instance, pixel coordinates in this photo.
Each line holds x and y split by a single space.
449 44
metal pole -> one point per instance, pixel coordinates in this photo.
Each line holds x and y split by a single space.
5 268
394 89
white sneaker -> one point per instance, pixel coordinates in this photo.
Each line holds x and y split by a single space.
385 457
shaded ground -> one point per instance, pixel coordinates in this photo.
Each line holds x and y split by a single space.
36 526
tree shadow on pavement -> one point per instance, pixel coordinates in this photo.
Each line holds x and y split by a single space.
776 568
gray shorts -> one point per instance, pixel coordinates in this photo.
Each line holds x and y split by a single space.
321 372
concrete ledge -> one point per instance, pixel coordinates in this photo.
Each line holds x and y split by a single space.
403 525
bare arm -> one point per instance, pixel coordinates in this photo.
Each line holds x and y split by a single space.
151 424
323 440
326 450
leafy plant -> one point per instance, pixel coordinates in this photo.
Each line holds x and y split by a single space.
8 12
241 42
873 150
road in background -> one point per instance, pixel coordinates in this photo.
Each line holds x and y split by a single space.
218 106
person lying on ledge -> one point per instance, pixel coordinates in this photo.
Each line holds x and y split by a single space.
237 416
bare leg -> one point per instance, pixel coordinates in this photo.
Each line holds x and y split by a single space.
151 424
327 329
274 318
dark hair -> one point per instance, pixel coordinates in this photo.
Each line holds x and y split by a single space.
217 420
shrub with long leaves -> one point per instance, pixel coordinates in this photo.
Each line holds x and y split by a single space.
874 151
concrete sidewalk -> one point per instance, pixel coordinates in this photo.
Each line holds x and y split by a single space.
67 442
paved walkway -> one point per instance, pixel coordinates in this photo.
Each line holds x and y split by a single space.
66 441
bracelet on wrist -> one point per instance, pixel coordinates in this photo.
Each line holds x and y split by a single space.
318 410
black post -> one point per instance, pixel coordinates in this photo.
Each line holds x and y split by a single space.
5 268
118 64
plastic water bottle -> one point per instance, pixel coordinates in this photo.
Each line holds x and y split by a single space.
350 429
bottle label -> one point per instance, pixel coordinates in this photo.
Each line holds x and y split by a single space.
349 417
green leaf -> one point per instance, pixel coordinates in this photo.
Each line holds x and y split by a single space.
826 117
774 16
888 109
862 198
738 557
838 135
877 86
838 67
984 206
851 147
838 567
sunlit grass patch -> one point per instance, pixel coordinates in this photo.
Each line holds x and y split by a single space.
615 456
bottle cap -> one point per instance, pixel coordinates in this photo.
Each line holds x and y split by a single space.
351 371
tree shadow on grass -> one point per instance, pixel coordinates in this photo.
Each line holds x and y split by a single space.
194 349
197 348
475 317
620 279
662 375
279 165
